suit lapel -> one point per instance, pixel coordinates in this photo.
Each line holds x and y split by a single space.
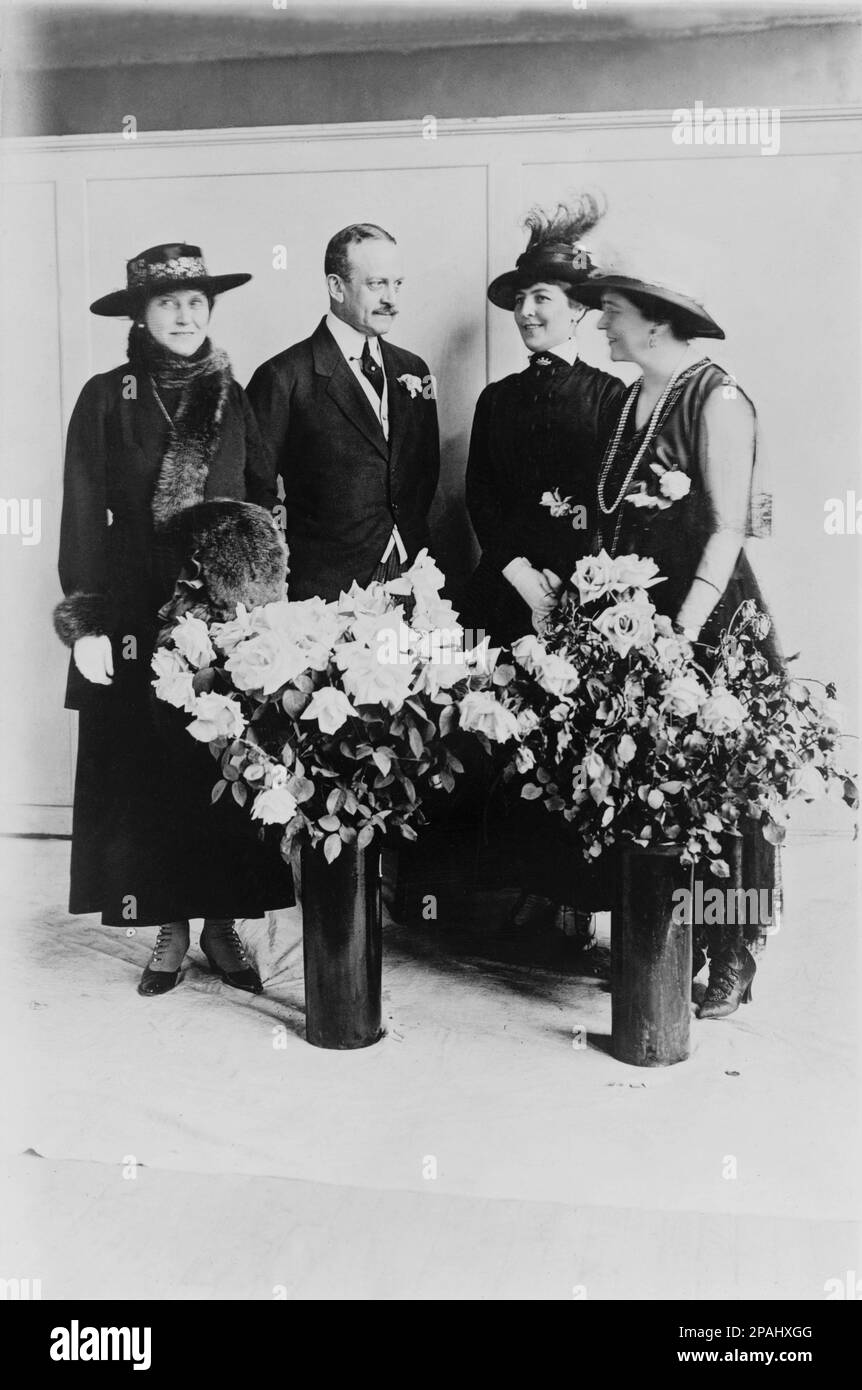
344 389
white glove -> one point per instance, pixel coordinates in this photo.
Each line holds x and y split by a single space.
536 587
94 659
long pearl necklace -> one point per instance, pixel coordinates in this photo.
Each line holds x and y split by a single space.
677 376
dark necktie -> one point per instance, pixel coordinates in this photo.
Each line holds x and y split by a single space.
372 369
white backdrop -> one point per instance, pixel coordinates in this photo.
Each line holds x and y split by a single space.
776 241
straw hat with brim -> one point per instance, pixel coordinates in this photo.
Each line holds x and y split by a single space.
561 262
689 317
174 266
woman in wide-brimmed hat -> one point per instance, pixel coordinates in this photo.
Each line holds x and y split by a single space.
680 483
539 431
149 444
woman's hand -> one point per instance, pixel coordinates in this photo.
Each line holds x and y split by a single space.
538 588
94 659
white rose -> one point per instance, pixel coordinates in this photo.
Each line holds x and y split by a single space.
528 720
227 635
806 781
683 695
632 572
672 651
674 484
481 713
626 625
530 653
370 681
558 676
191 637
216 716
274 806
330 707
266 662
721 713
593 576
175 683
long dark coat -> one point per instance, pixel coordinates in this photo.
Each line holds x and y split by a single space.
345 485
147 846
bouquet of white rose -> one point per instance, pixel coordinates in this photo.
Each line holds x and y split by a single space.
630 736
334 719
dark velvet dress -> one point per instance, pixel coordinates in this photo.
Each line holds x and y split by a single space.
539 430
676 539
147 845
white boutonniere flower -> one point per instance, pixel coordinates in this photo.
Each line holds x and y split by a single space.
411 383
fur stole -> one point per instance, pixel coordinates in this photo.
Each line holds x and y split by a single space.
203 382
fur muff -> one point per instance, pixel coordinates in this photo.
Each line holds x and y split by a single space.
80 615
240 551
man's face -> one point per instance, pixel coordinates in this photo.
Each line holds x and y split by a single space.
368 299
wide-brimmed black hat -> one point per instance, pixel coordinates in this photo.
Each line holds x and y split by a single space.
174 265
568 263
687 315
554 251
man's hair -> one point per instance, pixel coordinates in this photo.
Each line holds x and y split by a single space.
337 261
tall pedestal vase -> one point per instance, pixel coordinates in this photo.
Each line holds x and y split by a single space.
651 960
342 947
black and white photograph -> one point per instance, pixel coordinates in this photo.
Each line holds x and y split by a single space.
431 441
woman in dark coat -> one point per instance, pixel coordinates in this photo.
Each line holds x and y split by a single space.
539 432
688 416
148 441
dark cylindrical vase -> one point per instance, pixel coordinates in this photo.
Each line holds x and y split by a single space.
651 960
342 947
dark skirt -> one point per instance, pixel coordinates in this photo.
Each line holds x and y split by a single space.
148 845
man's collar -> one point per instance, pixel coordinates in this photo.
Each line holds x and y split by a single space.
350 340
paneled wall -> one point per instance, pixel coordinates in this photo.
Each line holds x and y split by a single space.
770 242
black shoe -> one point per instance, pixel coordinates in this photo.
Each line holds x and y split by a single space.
730 977
160 981
242 975
157 981
531 915
578 927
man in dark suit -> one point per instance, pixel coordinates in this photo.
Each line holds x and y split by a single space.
352 425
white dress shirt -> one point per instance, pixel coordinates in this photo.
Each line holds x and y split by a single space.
351 342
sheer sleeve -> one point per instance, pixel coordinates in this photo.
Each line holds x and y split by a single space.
726 454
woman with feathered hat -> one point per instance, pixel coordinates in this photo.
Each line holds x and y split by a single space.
681 483
150 443
537 434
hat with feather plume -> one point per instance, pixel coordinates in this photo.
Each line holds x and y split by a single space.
554 251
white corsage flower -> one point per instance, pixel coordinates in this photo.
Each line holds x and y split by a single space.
674 484
411 383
